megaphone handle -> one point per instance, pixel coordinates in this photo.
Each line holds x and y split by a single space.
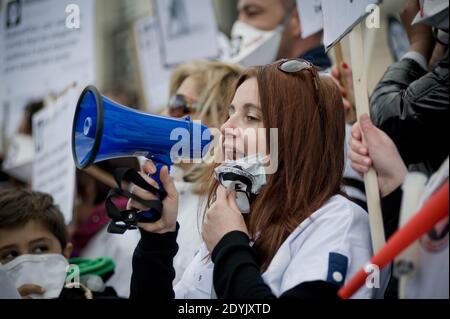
156 177
150 215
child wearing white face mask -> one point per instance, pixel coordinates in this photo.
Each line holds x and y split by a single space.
34 248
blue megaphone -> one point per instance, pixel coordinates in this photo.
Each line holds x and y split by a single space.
103 129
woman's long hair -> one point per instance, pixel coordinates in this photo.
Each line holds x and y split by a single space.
311 133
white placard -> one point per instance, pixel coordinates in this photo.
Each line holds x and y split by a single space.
40 53
311 18
340 16
155 76
53 165
188 30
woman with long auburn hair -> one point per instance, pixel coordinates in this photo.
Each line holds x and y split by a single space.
301 237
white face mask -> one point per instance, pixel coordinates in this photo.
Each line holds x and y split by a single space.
8 290
245 176
251 46
47 271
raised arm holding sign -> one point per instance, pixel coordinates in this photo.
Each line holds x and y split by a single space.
362 107
340 18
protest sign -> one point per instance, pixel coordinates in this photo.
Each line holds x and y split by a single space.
311 18
44 46
188 30
53 165
341 16
154 74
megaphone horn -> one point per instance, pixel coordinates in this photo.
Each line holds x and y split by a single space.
103 129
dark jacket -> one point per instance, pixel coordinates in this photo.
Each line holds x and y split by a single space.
411 106
318 57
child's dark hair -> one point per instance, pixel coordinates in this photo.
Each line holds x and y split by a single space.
19 206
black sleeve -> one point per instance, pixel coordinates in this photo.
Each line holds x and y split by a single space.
237 274
153 271
390 207
411 106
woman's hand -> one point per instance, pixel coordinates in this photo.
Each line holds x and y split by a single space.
421 37
347 93
221 218
378 151
168 220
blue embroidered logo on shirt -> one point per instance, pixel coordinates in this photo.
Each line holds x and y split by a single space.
337 268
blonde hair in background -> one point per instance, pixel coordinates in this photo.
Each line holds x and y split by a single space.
215 84
183 71
220 79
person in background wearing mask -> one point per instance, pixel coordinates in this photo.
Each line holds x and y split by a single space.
268 30
34 248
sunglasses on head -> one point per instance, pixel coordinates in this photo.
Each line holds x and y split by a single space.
179 106
298 65
295 66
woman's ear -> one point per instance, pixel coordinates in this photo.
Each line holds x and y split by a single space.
67 251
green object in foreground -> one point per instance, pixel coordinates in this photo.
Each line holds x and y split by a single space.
103 266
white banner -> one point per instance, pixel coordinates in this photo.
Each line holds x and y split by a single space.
53 165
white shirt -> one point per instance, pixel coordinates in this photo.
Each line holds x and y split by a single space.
120 248
190 215
331 245
431 278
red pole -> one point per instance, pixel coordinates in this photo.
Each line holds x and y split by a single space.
433 211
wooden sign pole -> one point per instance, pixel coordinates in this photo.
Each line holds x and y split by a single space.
362 106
